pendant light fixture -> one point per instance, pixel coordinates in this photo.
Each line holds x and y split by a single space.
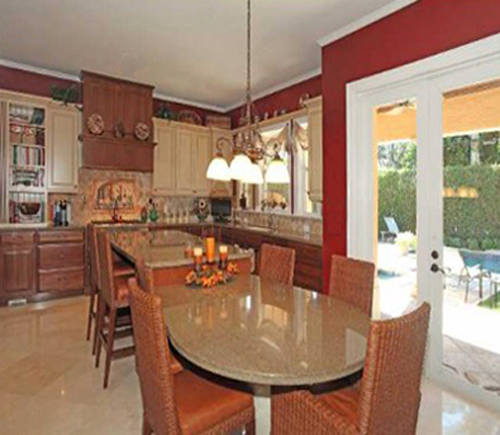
248 146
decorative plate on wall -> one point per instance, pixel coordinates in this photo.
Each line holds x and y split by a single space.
141 131
95 124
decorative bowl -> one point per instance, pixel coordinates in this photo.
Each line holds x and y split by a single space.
29 208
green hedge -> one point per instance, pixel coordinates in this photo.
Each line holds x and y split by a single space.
468 222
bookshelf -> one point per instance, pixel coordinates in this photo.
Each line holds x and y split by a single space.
27 163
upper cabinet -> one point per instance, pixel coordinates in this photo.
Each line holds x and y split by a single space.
118 124
63 128
315 132
182 155
164 156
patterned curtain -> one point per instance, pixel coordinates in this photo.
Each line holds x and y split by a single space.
300 136
4 164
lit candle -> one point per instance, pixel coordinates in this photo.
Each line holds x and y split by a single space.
197 254
223 252
210 248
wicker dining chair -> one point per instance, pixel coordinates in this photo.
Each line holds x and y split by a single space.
113 315
352 281
183 403
120 269
388 399
277 264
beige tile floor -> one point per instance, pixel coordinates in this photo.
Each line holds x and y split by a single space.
48 384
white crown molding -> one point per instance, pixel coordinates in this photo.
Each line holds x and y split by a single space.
170 99
38 70
377 15
277 88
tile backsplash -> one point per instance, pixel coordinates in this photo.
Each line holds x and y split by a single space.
85 203
287 223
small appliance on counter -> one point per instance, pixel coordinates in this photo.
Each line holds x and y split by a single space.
221 209
61 213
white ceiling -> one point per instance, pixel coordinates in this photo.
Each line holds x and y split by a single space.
191 50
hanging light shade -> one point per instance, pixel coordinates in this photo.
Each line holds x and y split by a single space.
218 169
240 167
277 172
254 175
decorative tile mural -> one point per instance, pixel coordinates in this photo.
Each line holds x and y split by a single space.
118 194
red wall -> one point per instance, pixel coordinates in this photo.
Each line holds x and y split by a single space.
287 99
423 29
17 80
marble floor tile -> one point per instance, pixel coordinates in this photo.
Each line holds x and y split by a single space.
49 386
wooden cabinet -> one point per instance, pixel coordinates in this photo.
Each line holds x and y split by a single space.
63 128
17 265
61 263
164 168
182 156
315 133
122 105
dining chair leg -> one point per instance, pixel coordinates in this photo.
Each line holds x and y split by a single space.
92 312
146 428
110 341
101 314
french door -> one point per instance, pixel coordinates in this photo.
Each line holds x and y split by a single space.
423 194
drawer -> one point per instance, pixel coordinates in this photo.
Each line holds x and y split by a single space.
68 279
18 238
61 236
61 256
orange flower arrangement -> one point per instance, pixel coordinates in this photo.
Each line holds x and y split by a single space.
211 276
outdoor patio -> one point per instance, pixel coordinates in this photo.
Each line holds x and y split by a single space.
472 339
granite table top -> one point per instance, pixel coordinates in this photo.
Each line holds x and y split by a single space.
264 333
162 248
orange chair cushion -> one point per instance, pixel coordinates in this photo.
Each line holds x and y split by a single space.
344 403
175 365
202 404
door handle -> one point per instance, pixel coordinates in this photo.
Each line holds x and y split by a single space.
435 268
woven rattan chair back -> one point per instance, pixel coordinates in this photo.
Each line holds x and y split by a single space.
153 358
144 276
352 281
105 257
277 264
390 387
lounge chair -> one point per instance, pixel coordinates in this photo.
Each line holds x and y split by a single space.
392 229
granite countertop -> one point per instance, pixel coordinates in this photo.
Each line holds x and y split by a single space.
162 248
266 333
316 240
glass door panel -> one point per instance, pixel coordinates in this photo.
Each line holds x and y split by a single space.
395 149
471 235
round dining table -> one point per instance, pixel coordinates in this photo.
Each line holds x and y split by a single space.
265 334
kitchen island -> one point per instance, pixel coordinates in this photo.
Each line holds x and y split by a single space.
166 252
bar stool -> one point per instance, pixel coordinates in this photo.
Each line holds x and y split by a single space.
113 315
120 269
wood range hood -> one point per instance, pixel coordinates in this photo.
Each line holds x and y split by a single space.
122 105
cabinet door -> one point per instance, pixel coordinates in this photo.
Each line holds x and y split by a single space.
17 270
186 140
222 188
63 131
164 162
201 155
315 132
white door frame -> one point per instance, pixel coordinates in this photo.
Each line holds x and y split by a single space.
426 80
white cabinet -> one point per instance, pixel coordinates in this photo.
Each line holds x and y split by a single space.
315 134
63 128
201 154
182 155
164 158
